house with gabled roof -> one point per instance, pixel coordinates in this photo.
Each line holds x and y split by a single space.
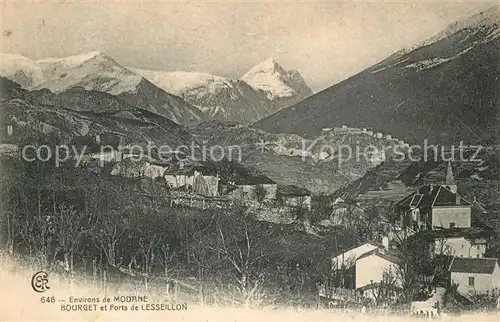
475 275
469 242
347 258
375 267
435 207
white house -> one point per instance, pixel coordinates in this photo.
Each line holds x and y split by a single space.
136 169
179 180
247 188
475 275
199 180
459 247
374 266
348 258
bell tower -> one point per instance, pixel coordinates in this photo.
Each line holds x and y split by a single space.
450 179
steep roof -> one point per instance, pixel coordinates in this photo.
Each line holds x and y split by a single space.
358 246
445 197
433 196
382 254
292 190
473 265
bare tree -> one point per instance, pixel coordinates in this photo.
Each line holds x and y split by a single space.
69 228
165 256
414 261
387 291
147 247
242 252
108 232
441 258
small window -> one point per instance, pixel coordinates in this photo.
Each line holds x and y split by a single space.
452 225
478 255
462 246
471 281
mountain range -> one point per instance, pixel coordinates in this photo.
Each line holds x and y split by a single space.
27 112
444 90
262 91
184 97
98 72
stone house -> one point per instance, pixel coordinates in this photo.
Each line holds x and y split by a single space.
254 188
435 207
196 179
294 196
375 267
475 275
458 243
138 169
180 178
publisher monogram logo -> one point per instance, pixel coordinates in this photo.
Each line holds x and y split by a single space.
39 282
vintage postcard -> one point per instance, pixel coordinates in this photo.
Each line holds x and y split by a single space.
249 160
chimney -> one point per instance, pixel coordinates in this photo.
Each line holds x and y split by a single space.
385 242
457 199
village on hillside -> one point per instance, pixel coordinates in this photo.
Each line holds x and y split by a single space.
448 233
432 251
271 160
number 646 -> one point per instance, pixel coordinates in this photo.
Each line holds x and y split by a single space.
47 299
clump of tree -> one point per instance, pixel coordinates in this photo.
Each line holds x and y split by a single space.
103 229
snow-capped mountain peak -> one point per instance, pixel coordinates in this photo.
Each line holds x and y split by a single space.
277 82
269 65
21 70
73 60
486 20
220 97
179 82
99 72
89 70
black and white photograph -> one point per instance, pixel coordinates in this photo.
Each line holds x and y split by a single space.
250 160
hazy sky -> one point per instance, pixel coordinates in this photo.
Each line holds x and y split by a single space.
325 41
